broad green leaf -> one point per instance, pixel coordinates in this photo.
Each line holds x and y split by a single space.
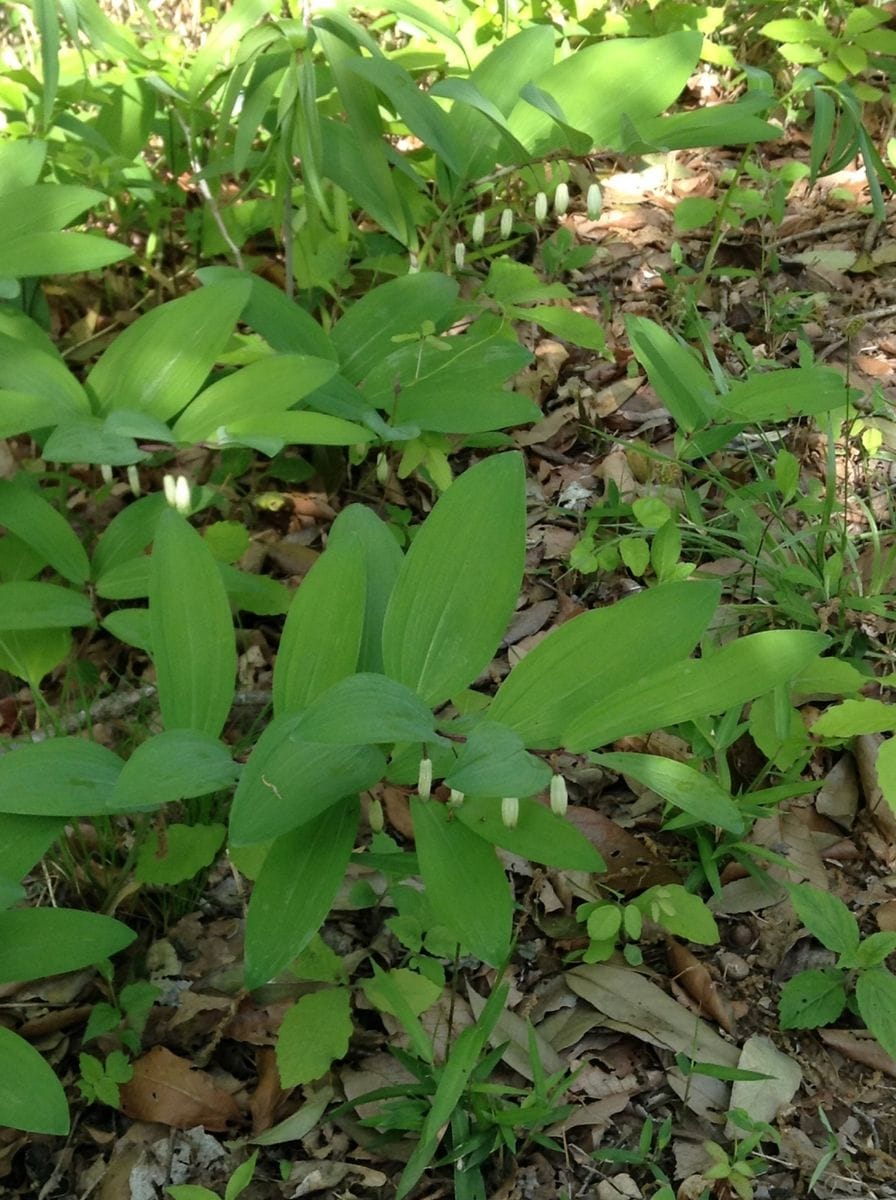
191 630
783 395
30 654
686 389
694 212
575 327
538 834
21 162
853 718
465 882
178 764
61 777
43 207
131 626
322 633
443 624
21 412
42 606
25 512
28 368
41 1106
23 842
600 653
876 998
377 548
293 894
289 781
828 679
284 325
262 389
680 912
315 1031
826 917
494 762
296 428
63 253
36 942
871 951
182 852
418 992
88 439
719 125
368 708
158 364
255 593
885 766
734 675
699 795
224 38
363 337
812 998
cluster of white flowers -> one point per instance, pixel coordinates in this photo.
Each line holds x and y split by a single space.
593 204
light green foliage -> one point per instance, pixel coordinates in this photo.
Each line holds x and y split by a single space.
669 906
236 1184
100 1079
314 1032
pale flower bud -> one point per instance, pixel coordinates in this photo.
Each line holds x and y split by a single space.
456 798
510 811
561 199
541 206
382 469
134 480
506 222
106 472
424 778
375 815
168 484
559 797
594 202
183 498
477 233
460 254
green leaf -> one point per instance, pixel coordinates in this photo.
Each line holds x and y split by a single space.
23 842
418 992
885 766
191 1191
322 634
28 367
64 253
539 834
32 653
241 1178
86 439
368 708
183 853
737 673
293 894
22 413
381 557
315 1031
876 998
41 1106
674 372
295 428
699 795
575 327
61 777
442 626
784 395
493 762
36 942
289 781
852 718
694 212
131 626
284 325
602 651
42 606
248 396
128 533
178 764
871 951
191 630
682 913
465 883
153 367
826 917
812 998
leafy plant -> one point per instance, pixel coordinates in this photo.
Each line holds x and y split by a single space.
669 906
236 1184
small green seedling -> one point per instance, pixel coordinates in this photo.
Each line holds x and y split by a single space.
236 1184
670 906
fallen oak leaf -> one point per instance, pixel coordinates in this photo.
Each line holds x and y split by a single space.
170 1090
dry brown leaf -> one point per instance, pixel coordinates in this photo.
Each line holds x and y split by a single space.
861 1050
699 984
268 1094
170 1090
838 797
631 867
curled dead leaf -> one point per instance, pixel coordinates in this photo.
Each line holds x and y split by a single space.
170 1090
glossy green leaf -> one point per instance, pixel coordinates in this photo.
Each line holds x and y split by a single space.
696 794
21 162
36 942
191 630
678 378
293 894
465 882
716 125
21 412
61 777
314 1032
539 834
25 512
493 762
322 634
368 708
29 368
289 781
378 550
734 675
42 606
178 764
158 364
264 388
43 207
598 654
63 253
41 1106
459 582
284 324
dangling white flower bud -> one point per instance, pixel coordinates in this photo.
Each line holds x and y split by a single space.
456 798
510 811
382 469
168 484
106 472
424 778
134 480
413 264
375 815
506 223
460 254
594 202
541 206
561 199
183 497
477 233
559 797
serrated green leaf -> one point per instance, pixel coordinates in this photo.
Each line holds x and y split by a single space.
314 1032
826 917
811 999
